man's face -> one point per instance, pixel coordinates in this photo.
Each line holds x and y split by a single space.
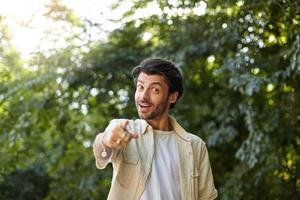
152 98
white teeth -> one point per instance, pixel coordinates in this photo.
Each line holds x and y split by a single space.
144 105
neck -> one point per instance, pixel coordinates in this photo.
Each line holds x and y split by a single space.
160 124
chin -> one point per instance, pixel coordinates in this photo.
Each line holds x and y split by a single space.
141 116
150 116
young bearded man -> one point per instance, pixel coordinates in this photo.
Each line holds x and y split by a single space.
153 157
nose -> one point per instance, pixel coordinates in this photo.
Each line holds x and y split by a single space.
144 95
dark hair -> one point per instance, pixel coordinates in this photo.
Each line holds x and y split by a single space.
164 68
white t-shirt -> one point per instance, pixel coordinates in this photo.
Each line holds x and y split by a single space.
163 182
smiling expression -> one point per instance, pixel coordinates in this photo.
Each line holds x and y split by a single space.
152 97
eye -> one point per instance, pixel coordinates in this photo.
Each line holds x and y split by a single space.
139 87
155 90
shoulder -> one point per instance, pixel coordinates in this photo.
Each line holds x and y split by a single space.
196 139
197 142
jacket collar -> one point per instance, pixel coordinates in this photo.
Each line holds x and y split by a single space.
178 129
176 126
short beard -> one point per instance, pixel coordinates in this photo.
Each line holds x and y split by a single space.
156 114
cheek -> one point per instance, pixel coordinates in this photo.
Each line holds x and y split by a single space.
157 99
136 95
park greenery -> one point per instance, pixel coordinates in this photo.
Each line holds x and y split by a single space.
241 66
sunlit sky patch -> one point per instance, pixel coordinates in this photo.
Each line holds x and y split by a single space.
29 27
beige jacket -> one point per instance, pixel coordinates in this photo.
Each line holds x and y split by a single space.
132 165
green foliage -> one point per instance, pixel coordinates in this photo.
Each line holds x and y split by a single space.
241 67
29 184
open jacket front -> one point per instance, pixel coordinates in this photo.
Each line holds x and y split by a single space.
132 165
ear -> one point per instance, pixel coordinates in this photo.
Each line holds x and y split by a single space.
173 97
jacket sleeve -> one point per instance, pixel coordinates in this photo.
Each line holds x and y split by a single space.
101 159
207 190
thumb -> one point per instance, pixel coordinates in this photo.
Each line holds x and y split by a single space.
134 136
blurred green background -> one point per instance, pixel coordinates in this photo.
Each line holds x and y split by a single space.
241 66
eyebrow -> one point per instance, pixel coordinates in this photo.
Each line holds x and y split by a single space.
153 83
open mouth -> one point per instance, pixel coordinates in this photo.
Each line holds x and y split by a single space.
144 106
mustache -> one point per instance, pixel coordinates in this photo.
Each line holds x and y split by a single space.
144 101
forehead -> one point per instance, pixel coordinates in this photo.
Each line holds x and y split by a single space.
152 79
